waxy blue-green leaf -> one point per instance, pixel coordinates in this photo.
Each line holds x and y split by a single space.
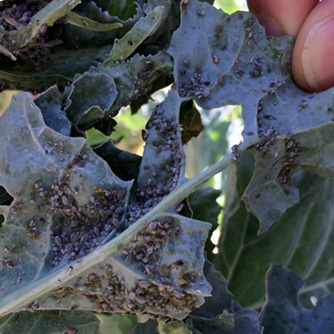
163 158
282 313
297 134
73 51
90 97
218 63
54 181
50 103
169 283
301 240
220 314
58 185
221 59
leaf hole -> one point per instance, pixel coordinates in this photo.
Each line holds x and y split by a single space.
5 197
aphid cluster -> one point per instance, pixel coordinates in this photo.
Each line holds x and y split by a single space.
303 104
32 230
268 136
157 298
162 136
253 32
196 86
147 245
292 151
78 228
111 294
235 150
147 297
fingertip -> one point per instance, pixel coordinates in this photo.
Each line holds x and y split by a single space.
312 59
271 26
287 15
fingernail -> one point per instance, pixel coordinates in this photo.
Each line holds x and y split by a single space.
271 26
318 55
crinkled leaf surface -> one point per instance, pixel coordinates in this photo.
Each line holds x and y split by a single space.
301 240
55 68
218 63
113 86
91 96
51 322
125 13
75 46
218 58
282 312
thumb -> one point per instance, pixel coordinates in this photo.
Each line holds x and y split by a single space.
281 17
313 54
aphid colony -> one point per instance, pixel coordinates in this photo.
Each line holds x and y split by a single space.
163 137
109 290
195 86
77 229
292 151
146 246
268 135
193 77
148 297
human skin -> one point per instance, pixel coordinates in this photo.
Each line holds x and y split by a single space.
312 24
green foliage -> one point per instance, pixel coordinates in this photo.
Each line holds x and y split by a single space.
95 238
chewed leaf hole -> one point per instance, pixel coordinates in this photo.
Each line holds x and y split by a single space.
5 198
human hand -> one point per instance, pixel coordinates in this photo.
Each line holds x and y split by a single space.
312 24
